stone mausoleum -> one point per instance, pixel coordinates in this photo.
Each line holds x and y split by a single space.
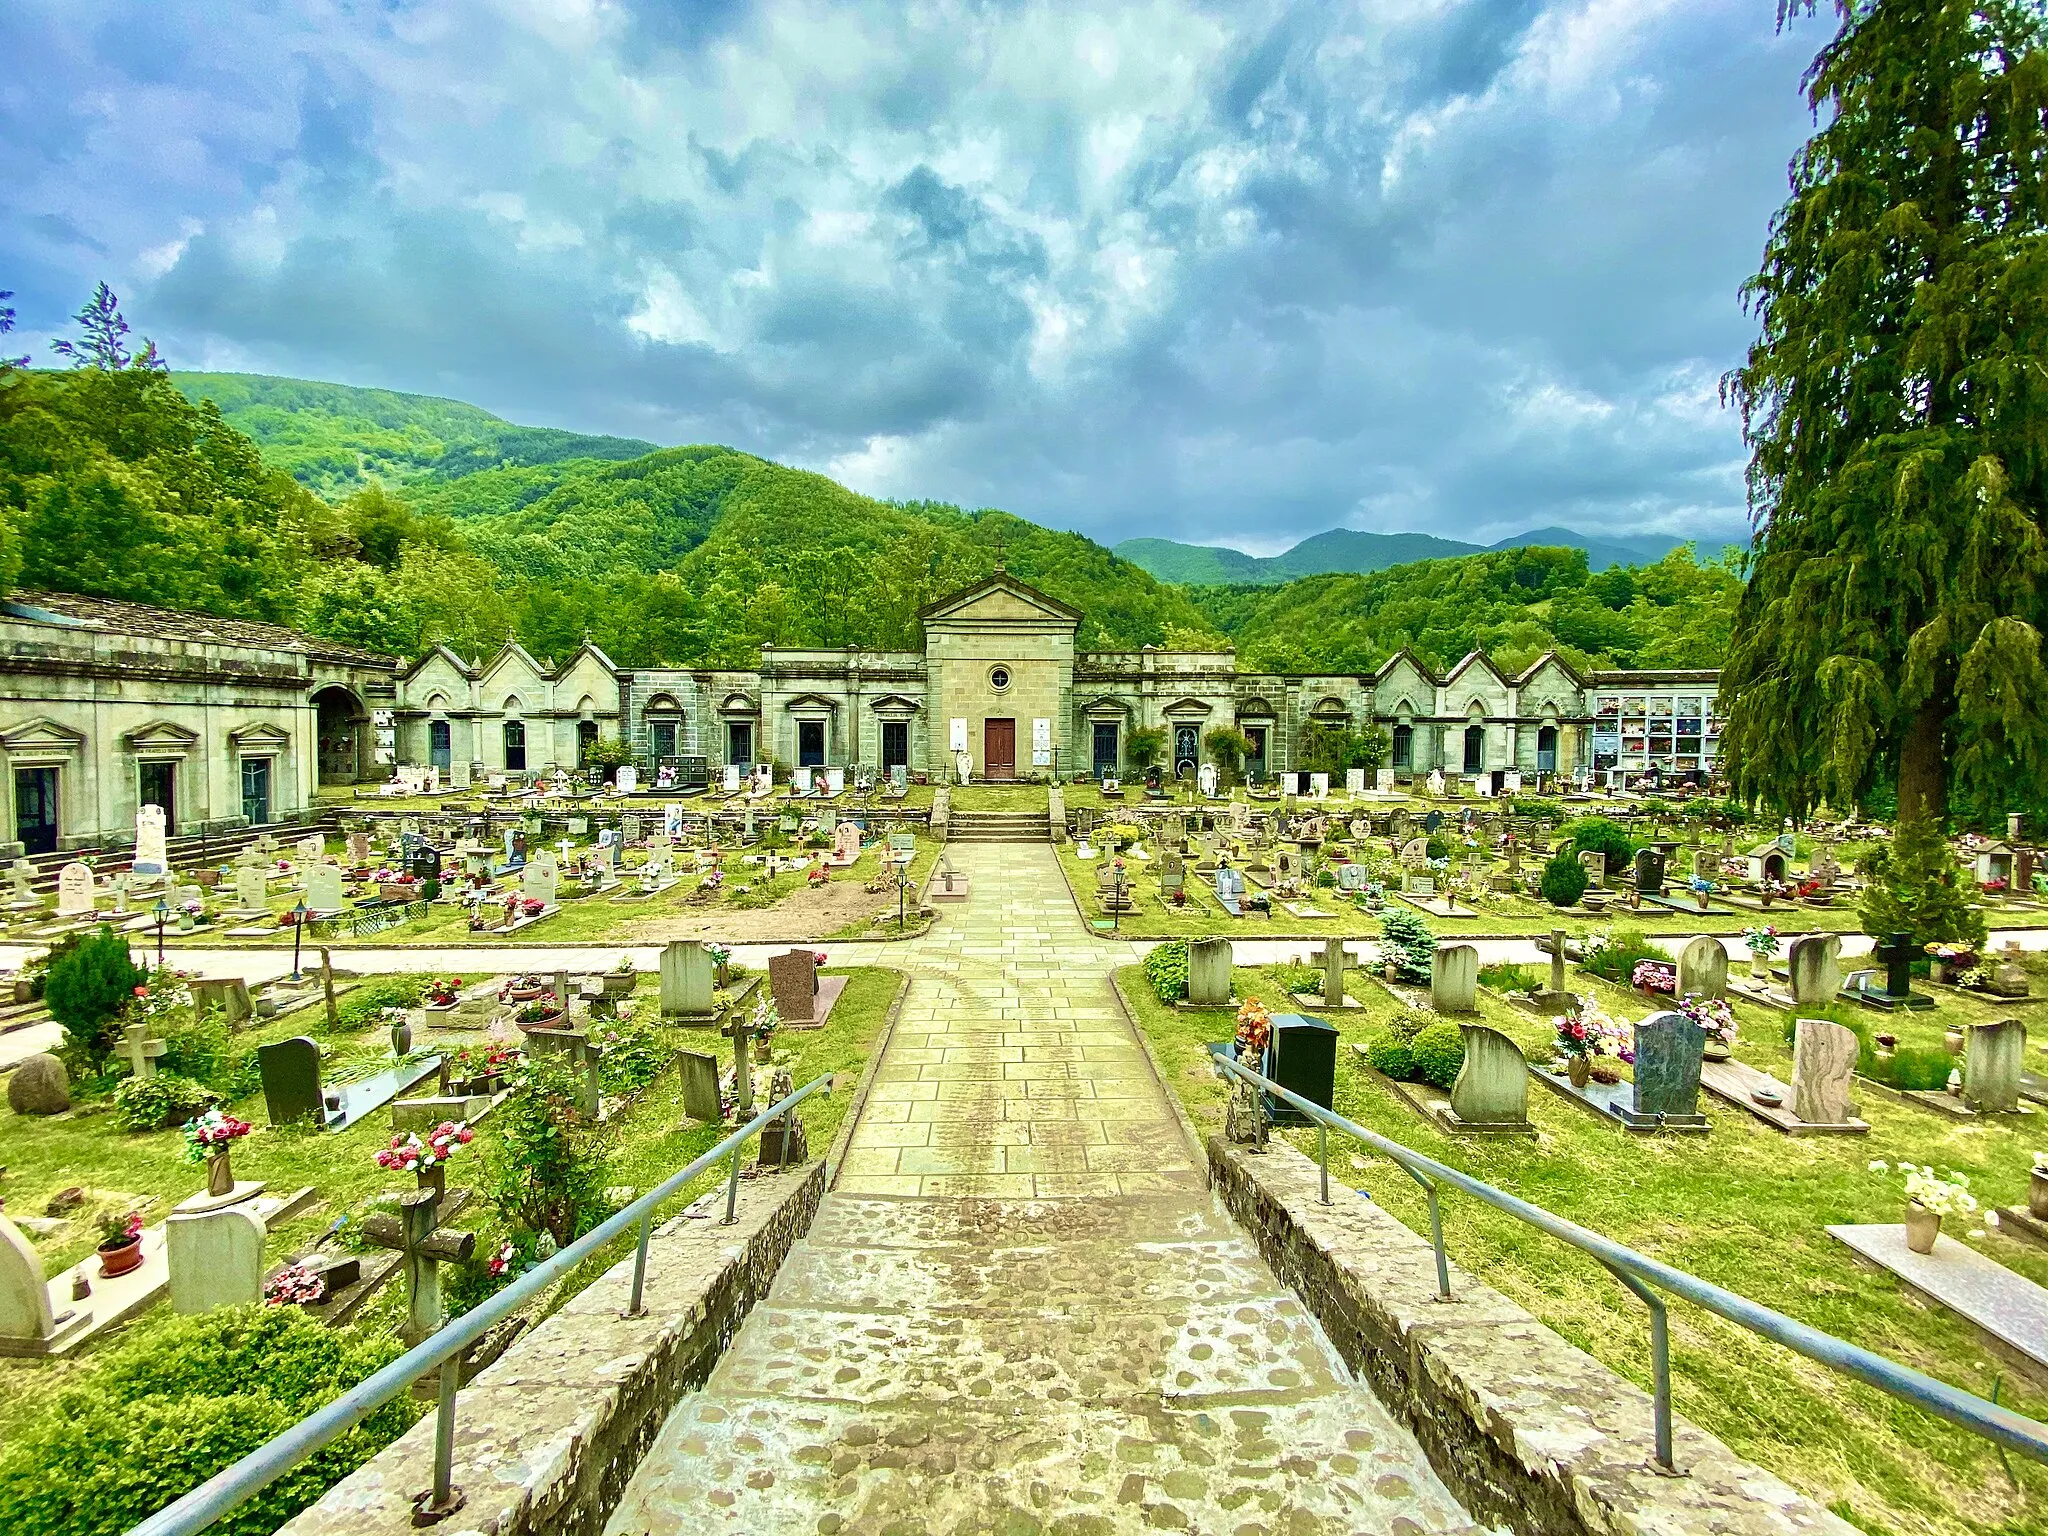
109 705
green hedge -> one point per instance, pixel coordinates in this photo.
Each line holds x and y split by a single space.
1166 967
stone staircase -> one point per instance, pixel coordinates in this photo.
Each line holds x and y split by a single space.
999 827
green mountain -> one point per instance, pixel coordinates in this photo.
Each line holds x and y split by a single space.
334 438
1350 550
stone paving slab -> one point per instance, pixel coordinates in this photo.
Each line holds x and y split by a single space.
2007 1306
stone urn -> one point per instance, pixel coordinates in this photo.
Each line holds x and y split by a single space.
2037 1194
1579 1069
220 1175
1764 899
401 1037
764 1048
1953 1039
1759 968
1922 1227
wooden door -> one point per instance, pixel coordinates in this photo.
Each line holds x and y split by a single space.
999 749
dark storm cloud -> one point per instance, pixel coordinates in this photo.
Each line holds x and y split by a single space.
1234 273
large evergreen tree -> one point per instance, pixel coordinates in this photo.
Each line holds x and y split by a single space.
1896 408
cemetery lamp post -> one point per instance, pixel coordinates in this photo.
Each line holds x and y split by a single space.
298 937
163 910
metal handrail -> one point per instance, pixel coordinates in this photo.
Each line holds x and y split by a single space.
233 1485
1640 1274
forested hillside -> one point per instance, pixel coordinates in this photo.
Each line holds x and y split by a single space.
463 528
335 439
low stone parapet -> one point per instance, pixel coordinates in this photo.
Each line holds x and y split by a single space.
1529 1432
547 1438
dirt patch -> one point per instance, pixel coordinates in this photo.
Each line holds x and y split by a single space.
805 914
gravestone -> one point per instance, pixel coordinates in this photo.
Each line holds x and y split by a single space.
1897 954
627 779
700 1087
1209 962
415 1233
1991 1067
688 978
423 862
1454 979
542 877
1230 890
1354 781
152 856
1703 968
1492 1088
310 849
1383 780
1333 957
1649 870
1823 1066
793 979
1594 863
74 890
27 1323
323 888
290 1070
21 881
1669 1050
216 1259
358 850
1353 877
138 1050
1171 874
252 889
1815 966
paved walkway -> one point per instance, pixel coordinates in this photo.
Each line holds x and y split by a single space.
1019 1309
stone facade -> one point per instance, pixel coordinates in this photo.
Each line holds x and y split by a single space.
106 706
109 704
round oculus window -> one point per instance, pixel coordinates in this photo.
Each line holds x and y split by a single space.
999 678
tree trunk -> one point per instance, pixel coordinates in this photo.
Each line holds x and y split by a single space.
1923 762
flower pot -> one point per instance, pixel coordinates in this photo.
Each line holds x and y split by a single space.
1953 1039
1938 972
220 1178
554 1020
764 1048
1764 899
434 1178
1922 1228
1580 1070
1716 1050
2037 1196
1759 968
120 1258
401 1038
1701 898
619 984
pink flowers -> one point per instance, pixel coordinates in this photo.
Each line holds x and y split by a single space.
408 1153
503 1262
294 1286
211 1134
1654 976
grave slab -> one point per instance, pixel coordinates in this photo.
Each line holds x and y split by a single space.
1738 1083
2006 1308
1609 1101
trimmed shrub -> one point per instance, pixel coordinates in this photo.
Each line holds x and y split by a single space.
1166 967
1615 960
89 987
171 1404
1601 834
1406 940
1439 1053
162 1100
1389 1053
1564 879
1409 1023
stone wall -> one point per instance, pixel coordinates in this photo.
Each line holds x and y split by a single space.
547 1438
1529 1432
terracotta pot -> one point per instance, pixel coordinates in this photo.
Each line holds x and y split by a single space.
1922 1228
220 1177
553 1020
121 1257
764 1048
1580 1070
2037 1196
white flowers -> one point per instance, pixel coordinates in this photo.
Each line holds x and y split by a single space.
1944 1196
2041 1162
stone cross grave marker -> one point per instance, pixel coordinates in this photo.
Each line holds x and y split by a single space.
1703 968
1814 964
1454 979
1669 1050
21 878
138 1050
1823 1066
74 889
1492 1088
152 855
1209 962
687 978
1897 953
793 979
1332 960
1991 1067
290 1070
415 1233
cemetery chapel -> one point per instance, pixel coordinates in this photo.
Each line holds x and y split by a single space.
223 723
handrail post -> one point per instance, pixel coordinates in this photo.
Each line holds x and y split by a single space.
1323 1157
732 1190
444 1498
1660 1363
1436 1241
634 1307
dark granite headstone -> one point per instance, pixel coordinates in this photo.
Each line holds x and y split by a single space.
700 1087
1649 872
1669 1048
424 862
291 1080
1301 1056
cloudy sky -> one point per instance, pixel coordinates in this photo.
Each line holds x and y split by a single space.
1229 273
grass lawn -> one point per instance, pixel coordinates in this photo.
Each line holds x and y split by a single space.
88 1148
1000 797
1744 1207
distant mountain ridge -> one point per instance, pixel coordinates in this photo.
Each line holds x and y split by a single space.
1353 551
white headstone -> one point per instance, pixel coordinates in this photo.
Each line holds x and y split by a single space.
1319 785
323 888
1290 783
845 843
216 1259
542 878
1436 781
1511 781
731 780
152 856
1205 779
74 889
627 779
1354 781
252 891
310 849
802 780
21 878
835 780
1383 780
24 1295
